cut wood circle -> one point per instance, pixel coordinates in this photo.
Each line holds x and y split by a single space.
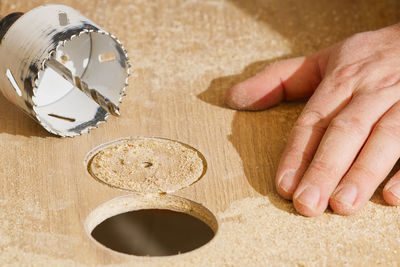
146 164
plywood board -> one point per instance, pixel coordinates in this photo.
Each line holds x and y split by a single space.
184 55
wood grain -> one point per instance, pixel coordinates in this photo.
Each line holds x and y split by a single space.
185 54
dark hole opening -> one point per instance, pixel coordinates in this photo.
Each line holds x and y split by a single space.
147 164
153 232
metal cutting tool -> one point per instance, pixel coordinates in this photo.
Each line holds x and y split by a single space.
63 70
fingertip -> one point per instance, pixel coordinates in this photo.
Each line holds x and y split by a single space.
283 193
390 199
236 97
306 201
345 200
305 210
390 193
285 183
253 94
341 208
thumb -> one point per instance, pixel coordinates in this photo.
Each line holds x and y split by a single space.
289 79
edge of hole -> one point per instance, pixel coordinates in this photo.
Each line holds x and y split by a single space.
136 202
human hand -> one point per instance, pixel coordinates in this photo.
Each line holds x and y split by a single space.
347 139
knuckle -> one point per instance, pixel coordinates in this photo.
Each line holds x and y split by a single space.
390 128
346 71
301 157
341 81
328 171
359 39
350 125
389 80
313 119
367 96
363 170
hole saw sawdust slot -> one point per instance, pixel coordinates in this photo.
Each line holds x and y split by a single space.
146 164
155 225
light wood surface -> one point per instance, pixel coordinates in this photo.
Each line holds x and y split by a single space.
184 55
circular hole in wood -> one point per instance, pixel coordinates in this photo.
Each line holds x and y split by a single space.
146 164
156 225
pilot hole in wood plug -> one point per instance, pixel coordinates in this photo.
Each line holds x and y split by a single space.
147 164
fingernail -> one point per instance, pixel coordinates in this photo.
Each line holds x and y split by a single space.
346 194
395 189
309 197
286 181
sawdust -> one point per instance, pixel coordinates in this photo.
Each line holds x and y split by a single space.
147 164
266 231
13 256
178 49
24 240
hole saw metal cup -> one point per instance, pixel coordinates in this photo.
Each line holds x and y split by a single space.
62 69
